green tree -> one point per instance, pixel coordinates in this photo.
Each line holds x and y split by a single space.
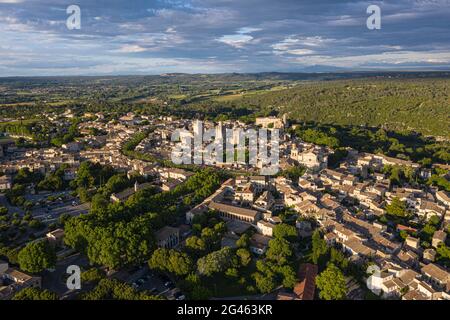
285 231
427 231
319 247
403 234
195 245
243 241
215 262
92 275
37 256
35 294
171 261
434 220
397 208
232 273
294 173
116 183
63 218
3 211
279 251
244 256
443 253
289 276
112 289
180 263
339 259
331 283
265 283
210 237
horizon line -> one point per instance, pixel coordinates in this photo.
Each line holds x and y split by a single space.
229 73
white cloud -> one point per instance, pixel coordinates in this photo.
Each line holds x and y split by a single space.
316 41
346 21
246 30
393 47
292 41
285 44
240 39
131 48
235 40
386 58
300 52
296 45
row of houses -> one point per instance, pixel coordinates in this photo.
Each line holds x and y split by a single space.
13 281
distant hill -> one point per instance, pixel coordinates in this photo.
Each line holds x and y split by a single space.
422 105
184 77
416 101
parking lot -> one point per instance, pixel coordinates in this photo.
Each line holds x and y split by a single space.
145 279
51 212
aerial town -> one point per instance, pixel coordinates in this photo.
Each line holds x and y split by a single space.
224 158
368 225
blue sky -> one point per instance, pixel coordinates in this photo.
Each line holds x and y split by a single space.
215 36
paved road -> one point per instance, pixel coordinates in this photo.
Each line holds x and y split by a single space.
51 212
54 211
44 195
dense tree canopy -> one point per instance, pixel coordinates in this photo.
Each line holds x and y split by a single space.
171 261
121 234
397 208
112 289
319 247
35 294
331 283
215 262
285 231
37 256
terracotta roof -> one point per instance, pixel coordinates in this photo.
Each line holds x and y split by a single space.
436 272
286 296
414 295
306 286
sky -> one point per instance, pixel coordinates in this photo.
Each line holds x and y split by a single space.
217 36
